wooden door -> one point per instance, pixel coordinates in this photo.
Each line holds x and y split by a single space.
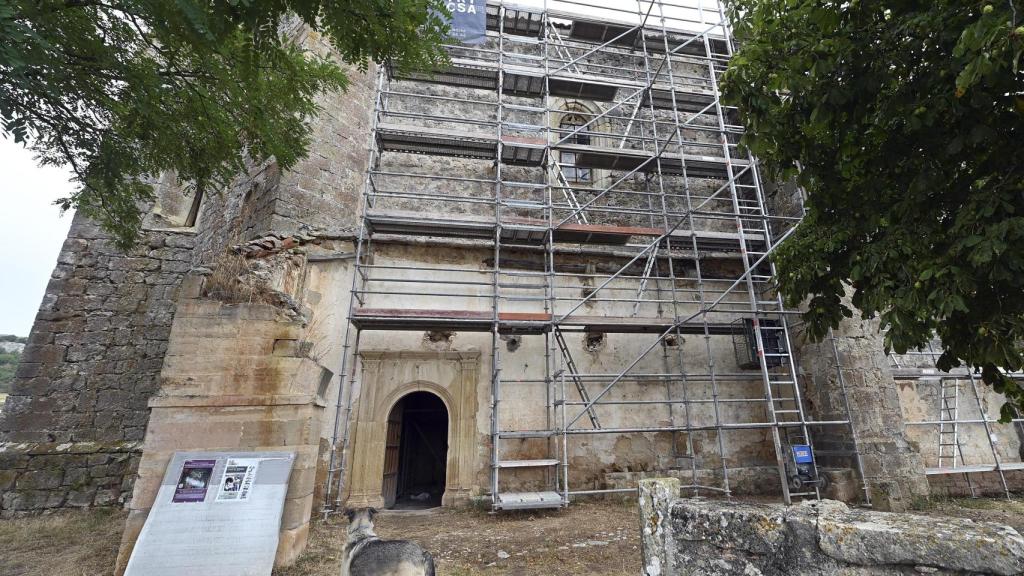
391 456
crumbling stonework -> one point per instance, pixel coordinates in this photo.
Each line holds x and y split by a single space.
683 536
235 378
892 467
98 344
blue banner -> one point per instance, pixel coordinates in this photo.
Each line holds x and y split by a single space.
469 20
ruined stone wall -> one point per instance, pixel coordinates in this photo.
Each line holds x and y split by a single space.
78 401
98 343
682 536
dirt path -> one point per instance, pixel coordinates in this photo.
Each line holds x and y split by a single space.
599 538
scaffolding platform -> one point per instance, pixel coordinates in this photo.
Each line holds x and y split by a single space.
625 160
527 81
543 69
973 469
530 151
529 22
689 100
516 150
414 319
519 21
534 232
528 500
540 463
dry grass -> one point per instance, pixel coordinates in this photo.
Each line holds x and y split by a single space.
3 398
232 281
998 510
68 543
600 538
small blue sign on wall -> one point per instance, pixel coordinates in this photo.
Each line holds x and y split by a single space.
802 454
469 20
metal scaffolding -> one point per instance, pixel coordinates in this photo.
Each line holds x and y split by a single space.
665 194
950 424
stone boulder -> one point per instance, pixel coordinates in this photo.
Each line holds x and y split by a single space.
683 536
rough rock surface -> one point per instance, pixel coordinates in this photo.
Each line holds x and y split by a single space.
719 538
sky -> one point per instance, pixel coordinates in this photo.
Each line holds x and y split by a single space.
32 231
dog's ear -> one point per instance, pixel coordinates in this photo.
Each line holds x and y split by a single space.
372 512
349 513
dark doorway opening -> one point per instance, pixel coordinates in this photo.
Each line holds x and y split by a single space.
416 452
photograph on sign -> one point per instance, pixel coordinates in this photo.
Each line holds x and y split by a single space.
194 481
236 482
208 536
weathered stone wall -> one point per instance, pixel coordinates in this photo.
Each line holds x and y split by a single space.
236 378
892 466
41 476
599 461
682 536
92 362
98 343
96 348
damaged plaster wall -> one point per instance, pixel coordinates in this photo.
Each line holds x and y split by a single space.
596 461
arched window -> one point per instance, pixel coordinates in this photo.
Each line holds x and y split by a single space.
567 160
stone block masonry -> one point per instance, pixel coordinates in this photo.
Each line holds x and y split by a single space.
99 339
41 476
893 468
682 536
77 409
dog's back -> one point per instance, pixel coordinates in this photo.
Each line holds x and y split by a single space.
367 555
391 558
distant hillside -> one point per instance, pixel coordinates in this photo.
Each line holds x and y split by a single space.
15 347
10 353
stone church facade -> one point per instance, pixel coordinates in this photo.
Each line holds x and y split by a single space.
300 311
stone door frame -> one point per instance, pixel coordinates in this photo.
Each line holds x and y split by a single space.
378 393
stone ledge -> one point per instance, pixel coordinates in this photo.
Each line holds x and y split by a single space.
719 538
228 401
44 448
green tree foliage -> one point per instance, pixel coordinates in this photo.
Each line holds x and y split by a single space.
904 122
8 365
122 90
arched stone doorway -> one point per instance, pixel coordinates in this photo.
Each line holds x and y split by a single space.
389 376
415 452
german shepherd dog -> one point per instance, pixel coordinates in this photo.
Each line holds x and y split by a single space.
367 555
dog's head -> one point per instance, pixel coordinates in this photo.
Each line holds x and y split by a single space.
360 519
